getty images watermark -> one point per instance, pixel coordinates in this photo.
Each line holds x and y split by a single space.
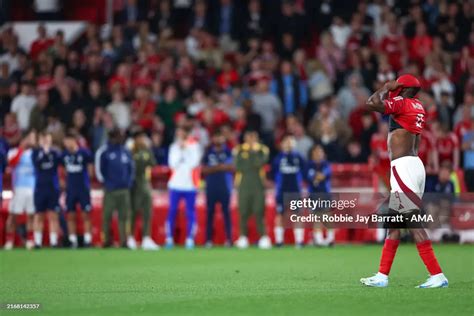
375 210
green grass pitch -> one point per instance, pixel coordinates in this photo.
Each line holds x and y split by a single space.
311 281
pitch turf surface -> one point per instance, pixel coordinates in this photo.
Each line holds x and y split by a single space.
228 281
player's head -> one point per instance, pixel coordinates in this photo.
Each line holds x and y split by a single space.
445 170
317 153
29 140
140 139
218 138
251 136
45 139
115 136
288 143
409 89
70 142
182 132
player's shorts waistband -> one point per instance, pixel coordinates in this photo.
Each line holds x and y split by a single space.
404 159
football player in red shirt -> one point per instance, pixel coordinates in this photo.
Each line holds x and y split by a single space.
407 179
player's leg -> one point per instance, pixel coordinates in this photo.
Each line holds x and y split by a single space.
225 205
133 214
147 243
259 210
10 231
29 230
123 208
40 211
107 210
245 208
38 228
190 198
175 196
425 250
278 230
318 237
389 251
86 208
14 209
211 201
71 219
298 233
29 207
53 217
53 221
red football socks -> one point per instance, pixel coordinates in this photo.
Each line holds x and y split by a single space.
427 255
388 254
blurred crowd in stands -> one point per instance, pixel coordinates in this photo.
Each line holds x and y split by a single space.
303 67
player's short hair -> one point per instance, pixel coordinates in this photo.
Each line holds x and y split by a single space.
138 133
217 132
71 134
115 135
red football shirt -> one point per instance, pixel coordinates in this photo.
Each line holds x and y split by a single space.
426 146
446 146
378 146
407 113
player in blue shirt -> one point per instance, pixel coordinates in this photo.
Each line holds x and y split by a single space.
217 170
78 163
46 196
318 177
287 169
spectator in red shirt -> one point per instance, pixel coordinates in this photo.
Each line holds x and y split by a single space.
11 130
393 44
228 76
428 153
42 43
379 158
212 117
121 79
143 108
465 125
446 144
421 45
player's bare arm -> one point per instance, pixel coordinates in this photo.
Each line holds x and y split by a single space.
375 101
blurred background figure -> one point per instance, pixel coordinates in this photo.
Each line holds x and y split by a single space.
46 160
114 168
141 192
78 163
250 157
288 175
20 160
217 171
318 176
184 159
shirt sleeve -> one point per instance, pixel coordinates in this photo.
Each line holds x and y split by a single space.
100 163
173 156
393 105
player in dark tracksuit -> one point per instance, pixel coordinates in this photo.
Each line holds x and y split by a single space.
78 164
287 170
217 167
115 169
46 195
318 177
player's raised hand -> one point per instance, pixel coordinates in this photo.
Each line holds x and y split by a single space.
393 85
